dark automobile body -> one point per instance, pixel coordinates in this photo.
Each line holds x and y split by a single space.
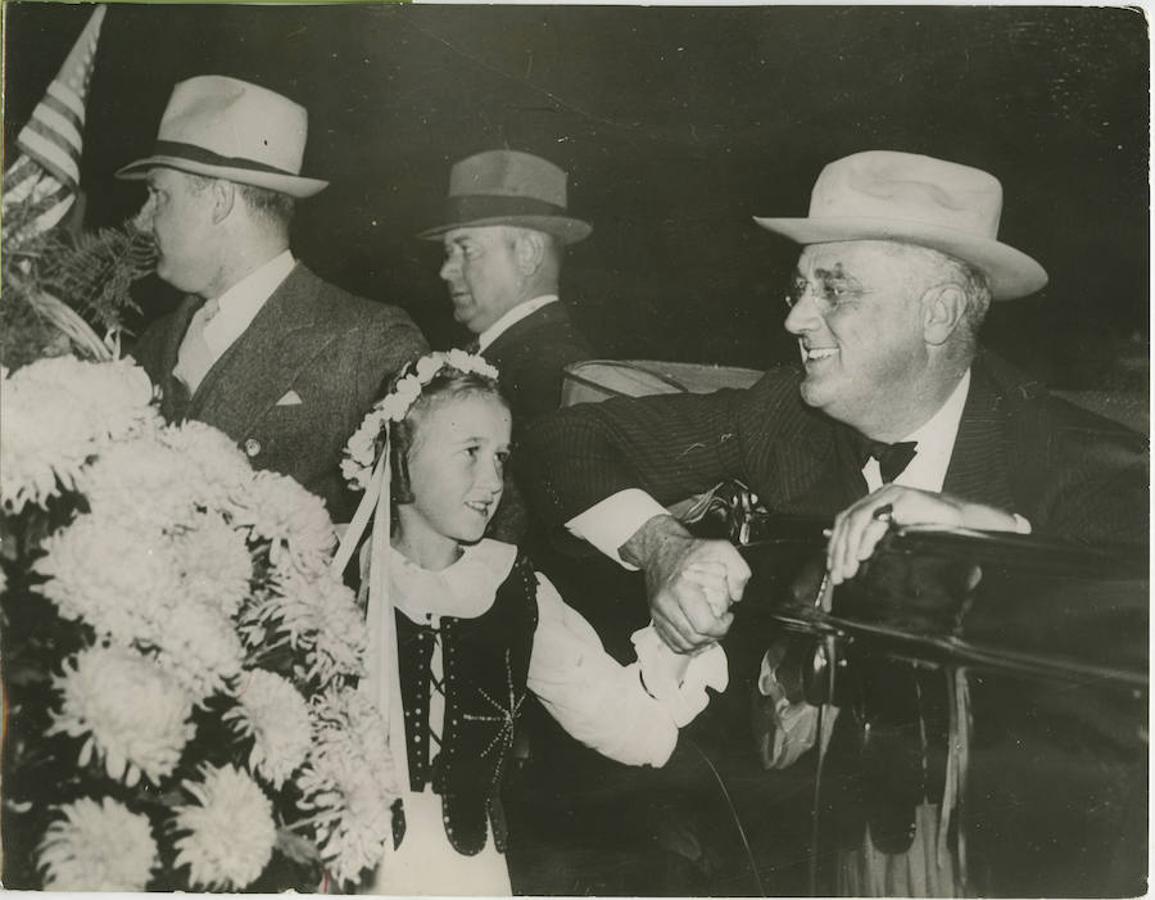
1049 643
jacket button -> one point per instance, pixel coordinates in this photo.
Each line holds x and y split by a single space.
252 447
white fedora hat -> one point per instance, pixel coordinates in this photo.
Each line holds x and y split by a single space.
888 195
226 128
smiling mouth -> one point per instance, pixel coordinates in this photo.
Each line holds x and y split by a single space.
481 507
817 354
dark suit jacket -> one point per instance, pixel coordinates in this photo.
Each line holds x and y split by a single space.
1072 474
333 349
530 356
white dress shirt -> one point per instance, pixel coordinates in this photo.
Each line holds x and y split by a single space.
609 524
216 326
511 317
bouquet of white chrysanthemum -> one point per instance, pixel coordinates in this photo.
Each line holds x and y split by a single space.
179 660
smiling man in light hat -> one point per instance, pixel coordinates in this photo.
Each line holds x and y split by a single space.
504 229
261 348
896 415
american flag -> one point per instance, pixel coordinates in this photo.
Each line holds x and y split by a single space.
42 184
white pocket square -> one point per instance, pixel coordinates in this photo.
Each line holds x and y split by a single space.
292 398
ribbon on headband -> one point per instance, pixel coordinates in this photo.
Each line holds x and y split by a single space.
383 679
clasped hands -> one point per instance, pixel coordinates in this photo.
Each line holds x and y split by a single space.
692 583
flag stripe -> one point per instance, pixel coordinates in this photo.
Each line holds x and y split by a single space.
19 179
54 159
53 215
68 97
48 131
17 176
61 110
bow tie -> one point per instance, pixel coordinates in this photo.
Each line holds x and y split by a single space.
892 458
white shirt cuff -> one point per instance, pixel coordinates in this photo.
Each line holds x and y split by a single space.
609 524
1022 526
676 680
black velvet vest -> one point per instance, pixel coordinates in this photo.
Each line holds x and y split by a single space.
485 663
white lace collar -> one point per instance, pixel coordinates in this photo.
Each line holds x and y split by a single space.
466 589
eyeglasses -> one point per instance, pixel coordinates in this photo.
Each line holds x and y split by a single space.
827 297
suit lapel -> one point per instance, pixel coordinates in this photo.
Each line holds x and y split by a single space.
261 365
978 464
804 462
523 328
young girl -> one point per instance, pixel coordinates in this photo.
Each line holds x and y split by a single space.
462 627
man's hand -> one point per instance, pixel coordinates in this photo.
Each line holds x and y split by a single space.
690 583
858 528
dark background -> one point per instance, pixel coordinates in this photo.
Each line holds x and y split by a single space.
676 126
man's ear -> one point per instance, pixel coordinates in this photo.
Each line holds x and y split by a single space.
943 309
529 251
224 194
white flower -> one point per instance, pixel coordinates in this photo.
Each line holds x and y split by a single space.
276 716
57 414
228 834
275 508
97 847
116 576
427 367
200 648
468 362
143 478
214 564
361 450
211 459
349 783
126 710
319 615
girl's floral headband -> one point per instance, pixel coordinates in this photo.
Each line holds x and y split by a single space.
361 451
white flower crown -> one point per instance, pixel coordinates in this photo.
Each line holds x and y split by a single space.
361 451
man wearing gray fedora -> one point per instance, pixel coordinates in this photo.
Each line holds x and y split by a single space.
504 229
261 348
896 415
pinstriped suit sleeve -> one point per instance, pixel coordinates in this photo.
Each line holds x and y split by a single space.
670 446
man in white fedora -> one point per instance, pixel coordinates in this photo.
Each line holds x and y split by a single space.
261 348
896 415
504 229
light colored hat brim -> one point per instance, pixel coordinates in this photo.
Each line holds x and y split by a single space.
293 185
1010 273
565 229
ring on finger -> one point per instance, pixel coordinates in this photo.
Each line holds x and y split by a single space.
884 513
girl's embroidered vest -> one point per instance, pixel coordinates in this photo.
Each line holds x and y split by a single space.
485 664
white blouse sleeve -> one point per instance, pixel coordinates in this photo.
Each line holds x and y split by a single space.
596 699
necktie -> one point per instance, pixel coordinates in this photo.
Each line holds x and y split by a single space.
195 357
474 346
892 458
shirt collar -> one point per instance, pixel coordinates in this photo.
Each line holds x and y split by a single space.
935 439
237 306
511 317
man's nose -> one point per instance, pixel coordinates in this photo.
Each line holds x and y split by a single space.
143 219
803 315
448 269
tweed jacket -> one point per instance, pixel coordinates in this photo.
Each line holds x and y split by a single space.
530 356
296 384
1072 474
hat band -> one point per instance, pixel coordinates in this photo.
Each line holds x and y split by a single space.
196 154
467 207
